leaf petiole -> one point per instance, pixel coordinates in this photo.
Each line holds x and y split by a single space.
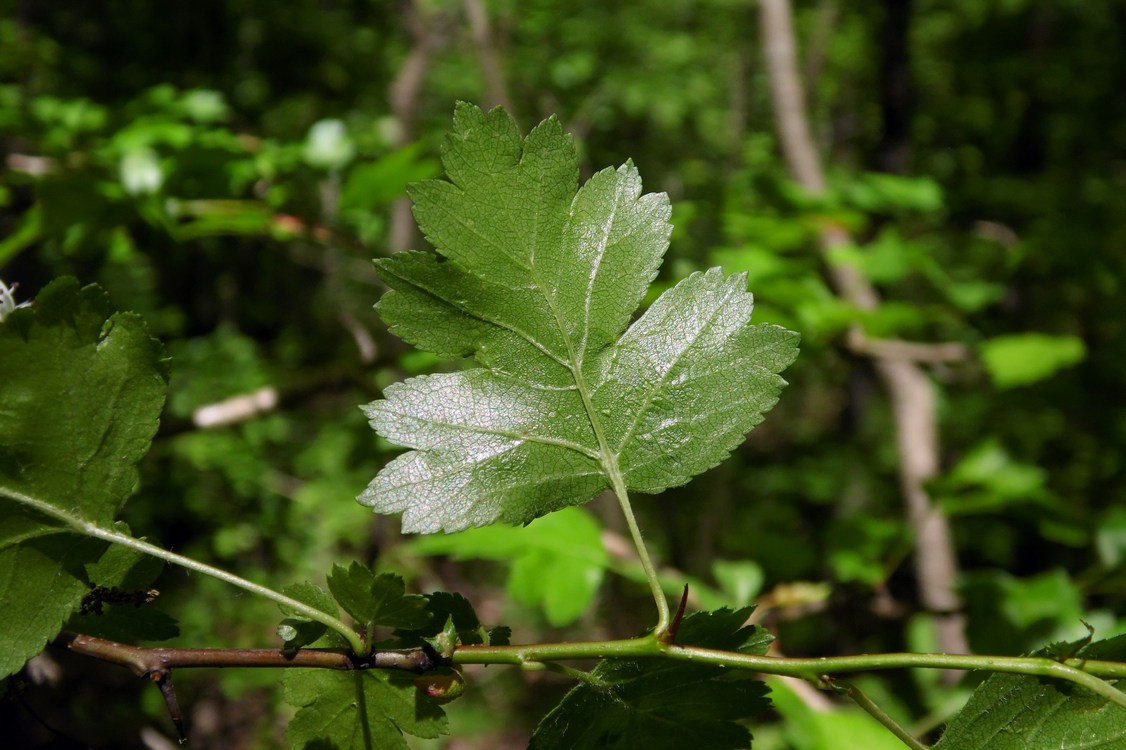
663 617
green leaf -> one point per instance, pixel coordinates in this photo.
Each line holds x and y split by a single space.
124 568
358 710
313 595
126 623
1016 712
1009 614
376 599
741 580
537 282
988 479
79 404
878 191
379 182
1025 358
41 584
120 607
557 562
298 630
664 704
453 618
1110 537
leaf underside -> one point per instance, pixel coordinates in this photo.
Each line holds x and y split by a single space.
538 279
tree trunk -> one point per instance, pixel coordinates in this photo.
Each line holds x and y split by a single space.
907 384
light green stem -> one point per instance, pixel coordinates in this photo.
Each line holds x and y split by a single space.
86 528
1086 673
879 714
642 553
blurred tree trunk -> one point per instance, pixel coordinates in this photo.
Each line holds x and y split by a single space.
496 91
897 93
907 384
428 33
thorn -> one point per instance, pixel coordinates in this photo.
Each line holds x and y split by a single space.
670 634
163 679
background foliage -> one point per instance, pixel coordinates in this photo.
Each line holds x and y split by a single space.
227 170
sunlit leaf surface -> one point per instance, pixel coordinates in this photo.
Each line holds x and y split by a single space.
538 280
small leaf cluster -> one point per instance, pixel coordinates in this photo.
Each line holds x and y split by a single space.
367 708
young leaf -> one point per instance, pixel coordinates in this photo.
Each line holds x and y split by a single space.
296 629
452 622
376 599
538 282
358 710
79 402
1014 712
664 704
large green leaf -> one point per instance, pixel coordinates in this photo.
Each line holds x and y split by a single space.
79 403
358 710
538 282
1017 712
664 704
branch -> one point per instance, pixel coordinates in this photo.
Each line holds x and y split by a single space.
907 351
156 664
1087 673
428 32
144 662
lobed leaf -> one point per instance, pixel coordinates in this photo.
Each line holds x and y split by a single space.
41 583
537 279
297 630
664 704
376 599
453 621
358 710
121 607
79 402
1014 712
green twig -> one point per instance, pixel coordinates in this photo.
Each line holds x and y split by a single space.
87 528
879 714
1086 673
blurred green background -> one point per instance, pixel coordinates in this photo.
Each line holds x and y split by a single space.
228 169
